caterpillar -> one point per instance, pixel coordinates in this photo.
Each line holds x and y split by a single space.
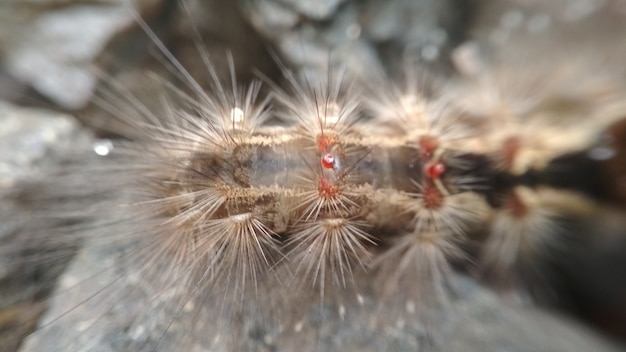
245 222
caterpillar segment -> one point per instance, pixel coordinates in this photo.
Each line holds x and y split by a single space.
274 194
545 141
230 206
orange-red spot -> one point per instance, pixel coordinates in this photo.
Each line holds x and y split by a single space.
432 197
516 205
324 142
428 145
510 148
435 170
327 189
328 161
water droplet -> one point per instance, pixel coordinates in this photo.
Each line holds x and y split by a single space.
103 147
237 116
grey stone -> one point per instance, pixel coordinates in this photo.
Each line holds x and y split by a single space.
316 9
365 37
473 320
31 137
32 143
54 46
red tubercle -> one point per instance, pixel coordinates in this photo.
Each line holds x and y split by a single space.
434 170
431 196
326 189
510 148
328 161
324 142
427 144
516 205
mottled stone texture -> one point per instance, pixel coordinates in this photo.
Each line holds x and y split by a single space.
32 144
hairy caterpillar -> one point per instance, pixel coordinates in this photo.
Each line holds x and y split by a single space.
230 216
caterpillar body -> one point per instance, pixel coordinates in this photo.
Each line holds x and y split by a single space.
242 217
